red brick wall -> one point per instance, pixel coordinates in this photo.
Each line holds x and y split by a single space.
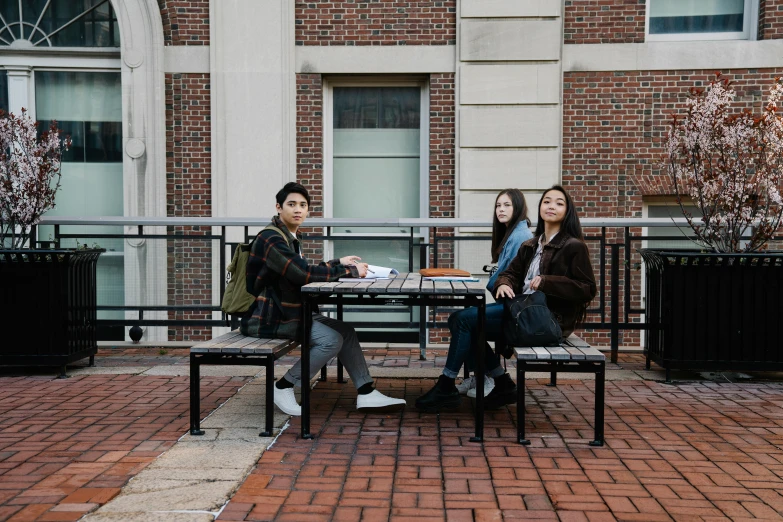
376 22
185 22
442 159
614 124
309 152
770 19
189 194
603 21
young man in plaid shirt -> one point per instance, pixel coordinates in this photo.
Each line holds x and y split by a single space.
276 271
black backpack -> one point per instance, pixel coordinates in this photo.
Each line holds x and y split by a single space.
527 321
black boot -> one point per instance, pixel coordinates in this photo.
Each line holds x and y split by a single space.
442 396
504 392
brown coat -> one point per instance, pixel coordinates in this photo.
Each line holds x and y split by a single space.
566 276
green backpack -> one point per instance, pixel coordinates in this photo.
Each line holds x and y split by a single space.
236 298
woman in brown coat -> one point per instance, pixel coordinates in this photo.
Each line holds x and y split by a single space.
555 261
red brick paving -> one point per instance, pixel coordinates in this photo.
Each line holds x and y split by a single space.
688 451
67 446
695 450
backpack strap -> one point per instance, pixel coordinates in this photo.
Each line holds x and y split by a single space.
275 229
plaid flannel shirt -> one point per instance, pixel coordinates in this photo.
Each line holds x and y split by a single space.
276 272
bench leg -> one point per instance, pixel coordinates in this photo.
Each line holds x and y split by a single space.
552 379
270 394
195 397
521 405
600 377
92 360
322 378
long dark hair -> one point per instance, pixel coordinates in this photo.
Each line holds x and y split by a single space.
500 232
570 224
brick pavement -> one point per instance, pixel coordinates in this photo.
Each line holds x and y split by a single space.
690 451
67 446
694 450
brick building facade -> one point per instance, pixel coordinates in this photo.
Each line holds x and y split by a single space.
517 94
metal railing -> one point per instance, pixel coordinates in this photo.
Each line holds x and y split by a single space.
429 242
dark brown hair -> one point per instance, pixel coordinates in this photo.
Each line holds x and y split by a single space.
500 232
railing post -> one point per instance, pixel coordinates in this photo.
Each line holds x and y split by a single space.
614 326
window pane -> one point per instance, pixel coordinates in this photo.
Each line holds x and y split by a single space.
4 91
696 16
87 106
377 108
60 23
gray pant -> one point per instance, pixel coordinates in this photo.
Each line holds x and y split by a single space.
330 338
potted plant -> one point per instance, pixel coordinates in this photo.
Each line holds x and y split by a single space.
48 295
720 308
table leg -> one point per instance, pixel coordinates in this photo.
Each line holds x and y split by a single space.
307 321
479 351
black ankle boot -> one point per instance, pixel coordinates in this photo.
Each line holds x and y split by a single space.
442 396
504 392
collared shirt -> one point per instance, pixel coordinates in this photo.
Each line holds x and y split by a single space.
535 264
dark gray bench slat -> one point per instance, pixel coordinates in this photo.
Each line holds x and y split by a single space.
557 353
221 340
591 354
527 354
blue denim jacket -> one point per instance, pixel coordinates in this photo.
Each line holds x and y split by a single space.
519 235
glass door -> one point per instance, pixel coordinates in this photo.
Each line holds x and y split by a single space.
376 173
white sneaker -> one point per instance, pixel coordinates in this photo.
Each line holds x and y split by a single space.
285 400
489 385
376 399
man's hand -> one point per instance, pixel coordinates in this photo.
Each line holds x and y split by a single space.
504 291
362 268
350 260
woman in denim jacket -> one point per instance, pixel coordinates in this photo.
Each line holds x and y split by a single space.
510 228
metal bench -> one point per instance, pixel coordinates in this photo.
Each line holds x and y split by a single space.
573 355
234 348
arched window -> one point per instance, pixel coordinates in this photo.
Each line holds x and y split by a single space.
58 23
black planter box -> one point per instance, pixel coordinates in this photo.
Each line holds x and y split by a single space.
48 301
714 311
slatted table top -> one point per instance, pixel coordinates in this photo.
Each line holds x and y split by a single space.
405 283
572 349
236 343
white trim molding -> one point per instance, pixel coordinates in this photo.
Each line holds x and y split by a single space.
186 59
667 56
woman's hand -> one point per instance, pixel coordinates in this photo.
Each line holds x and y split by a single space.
536 282
350 260
504 291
